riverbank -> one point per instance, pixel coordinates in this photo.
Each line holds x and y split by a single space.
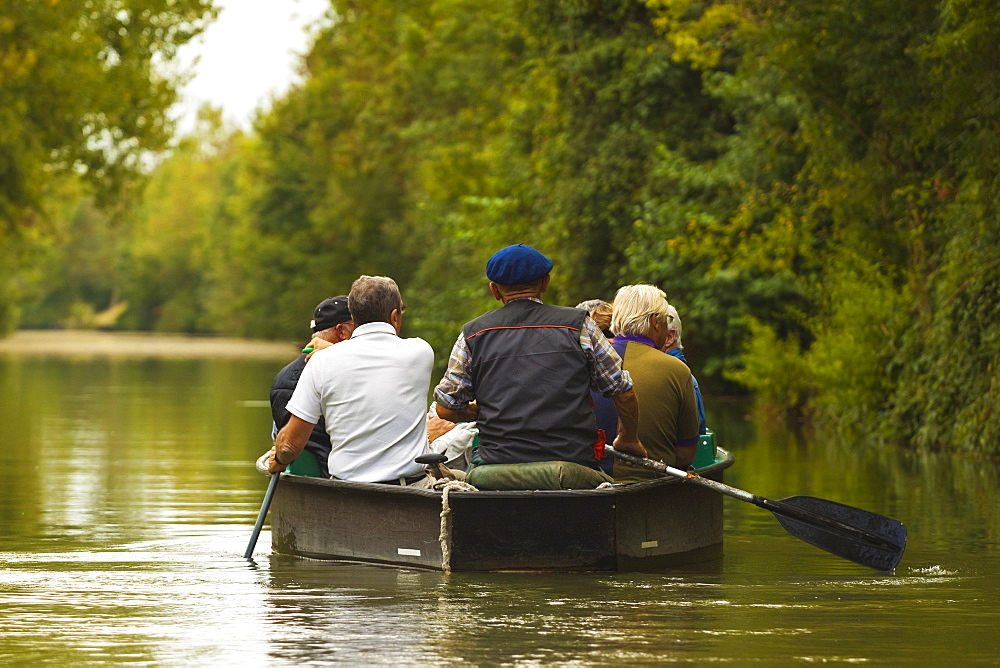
87 343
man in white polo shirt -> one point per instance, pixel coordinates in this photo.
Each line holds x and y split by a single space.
372 392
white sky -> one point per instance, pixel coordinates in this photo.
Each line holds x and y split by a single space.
248 53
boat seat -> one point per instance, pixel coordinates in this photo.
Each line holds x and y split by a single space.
535 475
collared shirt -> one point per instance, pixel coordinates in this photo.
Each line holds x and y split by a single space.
607 377
372 391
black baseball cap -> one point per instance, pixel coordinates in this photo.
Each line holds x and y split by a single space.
329 313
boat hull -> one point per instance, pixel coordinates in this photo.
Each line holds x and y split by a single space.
643 526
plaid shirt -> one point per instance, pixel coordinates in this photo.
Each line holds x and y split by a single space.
455 390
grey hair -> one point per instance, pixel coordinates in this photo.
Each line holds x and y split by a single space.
590 305
675 324
373 299
633 306
600 311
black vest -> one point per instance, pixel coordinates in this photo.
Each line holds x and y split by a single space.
532 383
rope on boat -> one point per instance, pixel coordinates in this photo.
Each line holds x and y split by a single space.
445 536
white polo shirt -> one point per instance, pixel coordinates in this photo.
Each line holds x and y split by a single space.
372 391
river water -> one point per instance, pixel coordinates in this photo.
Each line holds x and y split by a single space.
130 495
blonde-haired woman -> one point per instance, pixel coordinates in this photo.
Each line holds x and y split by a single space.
668 412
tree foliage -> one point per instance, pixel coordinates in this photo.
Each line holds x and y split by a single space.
814 183
897 123
80 88
84 90
179 247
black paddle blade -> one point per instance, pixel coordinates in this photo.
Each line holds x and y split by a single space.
857 535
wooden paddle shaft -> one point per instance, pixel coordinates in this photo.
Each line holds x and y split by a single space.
722 488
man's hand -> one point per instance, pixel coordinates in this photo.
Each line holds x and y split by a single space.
290 442
273 466
316 343
632 447
436 427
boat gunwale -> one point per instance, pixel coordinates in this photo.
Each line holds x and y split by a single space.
725 462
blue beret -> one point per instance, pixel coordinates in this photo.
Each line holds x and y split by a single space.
517 264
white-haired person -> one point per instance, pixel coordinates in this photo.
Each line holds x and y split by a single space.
675 348
668 410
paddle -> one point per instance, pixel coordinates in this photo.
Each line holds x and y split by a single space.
865 538
263 513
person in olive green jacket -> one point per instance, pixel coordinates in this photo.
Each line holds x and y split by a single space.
668 411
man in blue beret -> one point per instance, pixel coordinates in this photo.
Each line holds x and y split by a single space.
524 373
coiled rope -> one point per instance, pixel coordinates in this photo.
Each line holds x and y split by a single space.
445 536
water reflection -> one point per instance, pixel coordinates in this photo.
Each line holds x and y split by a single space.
354 613
130 497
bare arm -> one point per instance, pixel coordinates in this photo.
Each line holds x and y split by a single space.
627 406
469 414
289 443
685 456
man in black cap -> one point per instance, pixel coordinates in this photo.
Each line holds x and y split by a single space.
331 324
524 373
372 392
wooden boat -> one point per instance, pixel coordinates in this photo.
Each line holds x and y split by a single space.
643 526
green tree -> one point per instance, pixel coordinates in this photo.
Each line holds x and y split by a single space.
180 245
84 89
895 115
361 168
75 274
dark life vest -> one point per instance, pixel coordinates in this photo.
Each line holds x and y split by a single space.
531 380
